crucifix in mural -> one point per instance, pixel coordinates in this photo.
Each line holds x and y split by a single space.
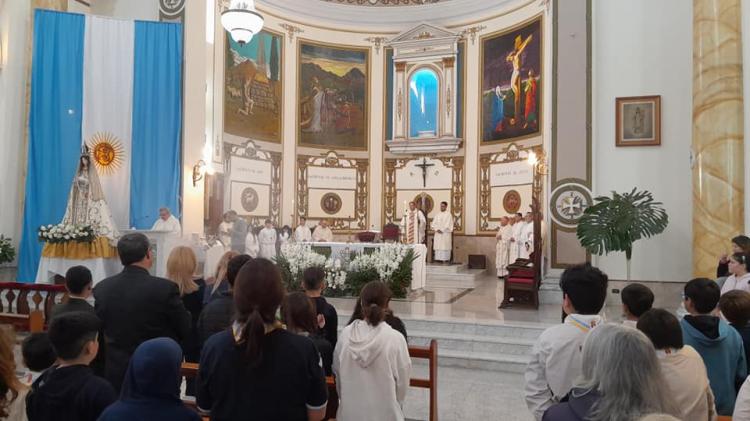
424 166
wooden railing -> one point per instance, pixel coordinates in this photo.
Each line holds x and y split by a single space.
27 306
421 352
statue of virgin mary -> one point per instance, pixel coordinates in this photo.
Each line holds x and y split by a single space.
86 202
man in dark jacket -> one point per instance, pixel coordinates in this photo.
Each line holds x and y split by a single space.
218 313
135 306
70 390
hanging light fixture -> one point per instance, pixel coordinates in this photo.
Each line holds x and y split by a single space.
242 20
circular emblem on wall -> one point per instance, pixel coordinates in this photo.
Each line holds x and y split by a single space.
568 202
512 201
106 151
429 203
171 7
249 199
330 203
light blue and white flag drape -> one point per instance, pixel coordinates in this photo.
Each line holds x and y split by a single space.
116 86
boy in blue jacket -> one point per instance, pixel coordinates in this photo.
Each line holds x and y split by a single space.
718 344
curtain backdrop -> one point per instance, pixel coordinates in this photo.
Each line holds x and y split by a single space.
54 127
157 91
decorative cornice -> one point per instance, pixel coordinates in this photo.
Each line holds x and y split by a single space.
291 30
376 3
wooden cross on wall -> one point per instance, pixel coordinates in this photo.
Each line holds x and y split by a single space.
424 165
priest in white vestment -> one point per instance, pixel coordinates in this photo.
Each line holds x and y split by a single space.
167 222
267 240
442 225
504 233
526 244
322 233
302 232
515 234
412 225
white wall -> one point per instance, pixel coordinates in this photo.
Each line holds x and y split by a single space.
644 47
15 17
127 9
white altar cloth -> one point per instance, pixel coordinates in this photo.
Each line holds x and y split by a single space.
418 267
100 268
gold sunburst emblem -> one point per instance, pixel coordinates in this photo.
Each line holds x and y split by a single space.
106 151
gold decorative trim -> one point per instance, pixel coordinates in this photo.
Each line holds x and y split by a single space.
400 66
331 159
250 150
513 153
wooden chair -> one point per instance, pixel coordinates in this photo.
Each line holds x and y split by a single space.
27 306
429 353
521 284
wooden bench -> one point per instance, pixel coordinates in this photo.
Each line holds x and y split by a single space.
422 352
27 306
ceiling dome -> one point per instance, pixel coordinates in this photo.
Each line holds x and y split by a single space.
392 16
385 2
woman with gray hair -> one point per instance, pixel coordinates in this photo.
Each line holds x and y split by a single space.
620 381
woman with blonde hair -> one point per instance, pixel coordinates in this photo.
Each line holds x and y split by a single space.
218 282
181 268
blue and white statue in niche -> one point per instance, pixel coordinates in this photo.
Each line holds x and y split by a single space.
423 103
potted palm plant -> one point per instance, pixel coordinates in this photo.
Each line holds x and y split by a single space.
7 252
615 223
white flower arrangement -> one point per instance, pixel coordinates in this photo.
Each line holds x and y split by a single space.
300 256
385 260
63 233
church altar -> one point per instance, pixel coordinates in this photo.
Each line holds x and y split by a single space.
418 268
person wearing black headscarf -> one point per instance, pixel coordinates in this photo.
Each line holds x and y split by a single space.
151 390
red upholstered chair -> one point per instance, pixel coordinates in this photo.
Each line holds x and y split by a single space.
391 232
366 237
521 284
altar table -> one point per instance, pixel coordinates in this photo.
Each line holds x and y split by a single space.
418 266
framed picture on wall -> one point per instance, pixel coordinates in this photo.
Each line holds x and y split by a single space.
638 121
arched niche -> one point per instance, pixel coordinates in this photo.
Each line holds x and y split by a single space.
426 52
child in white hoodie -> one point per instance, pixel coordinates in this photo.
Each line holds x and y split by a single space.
371 363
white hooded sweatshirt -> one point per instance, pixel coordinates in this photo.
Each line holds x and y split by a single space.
372 368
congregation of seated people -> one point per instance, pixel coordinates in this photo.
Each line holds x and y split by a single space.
264 353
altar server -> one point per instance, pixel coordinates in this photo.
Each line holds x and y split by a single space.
267 239
411 225
504 232
302 232
167 222
252 246
442 225
225 230
322 232
526 242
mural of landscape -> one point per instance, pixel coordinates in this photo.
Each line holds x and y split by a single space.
332 96
253 88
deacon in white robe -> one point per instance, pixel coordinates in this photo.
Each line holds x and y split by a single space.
515 235
504 233
526 243
412 225
252 247
167 222
302 232
267 239
322 233
442 225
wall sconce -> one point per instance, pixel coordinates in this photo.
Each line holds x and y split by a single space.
200 169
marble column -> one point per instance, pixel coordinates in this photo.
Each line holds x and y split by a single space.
718 153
